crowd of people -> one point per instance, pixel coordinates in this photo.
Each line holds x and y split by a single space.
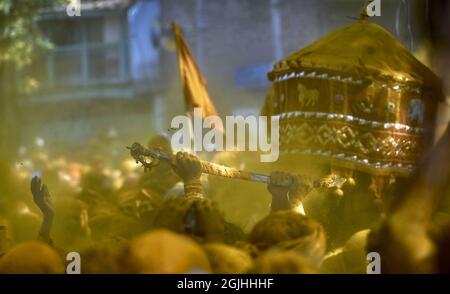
172 221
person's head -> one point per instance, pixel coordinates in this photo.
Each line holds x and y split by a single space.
350 259
164 252
102 258
226 259
288 230
32 258
282 262
194 216
160 142
107 221
136 203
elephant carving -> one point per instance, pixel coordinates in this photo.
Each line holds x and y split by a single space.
307 97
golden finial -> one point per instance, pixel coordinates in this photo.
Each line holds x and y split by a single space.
363 15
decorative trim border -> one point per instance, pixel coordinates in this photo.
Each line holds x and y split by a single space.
348 118
279 77
353 161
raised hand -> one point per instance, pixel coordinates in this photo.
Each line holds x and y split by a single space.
41 196
43 200
280 186
189 168
288 190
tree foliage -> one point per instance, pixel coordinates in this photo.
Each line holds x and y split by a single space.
20 38
20 43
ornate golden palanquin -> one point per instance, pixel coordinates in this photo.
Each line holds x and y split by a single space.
357 98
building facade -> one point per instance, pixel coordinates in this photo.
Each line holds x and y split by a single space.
115 65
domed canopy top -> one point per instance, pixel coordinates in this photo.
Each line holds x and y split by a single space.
356 96
361 49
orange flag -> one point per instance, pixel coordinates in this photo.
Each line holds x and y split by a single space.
192 80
